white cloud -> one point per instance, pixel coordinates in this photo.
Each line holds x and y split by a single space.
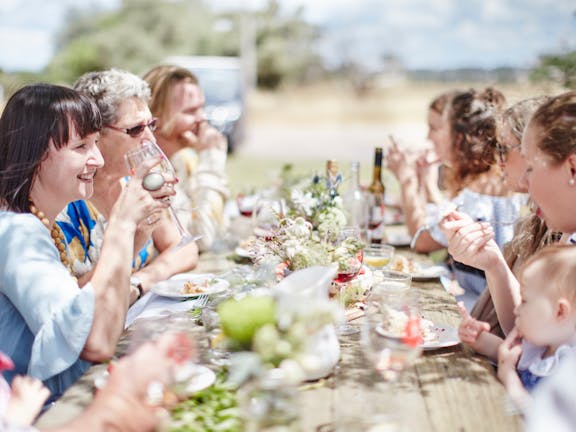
24 49
426 33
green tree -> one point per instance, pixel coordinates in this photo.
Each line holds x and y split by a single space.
135 37
143 32
284 44
560 68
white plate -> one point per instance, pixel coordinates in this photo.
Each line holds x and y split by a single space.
242 252
197 377
174 287
447 336
398 239
428 272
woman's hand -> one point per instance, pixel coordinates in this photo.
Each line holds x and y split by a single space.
470 242
139 205
470 328
397 162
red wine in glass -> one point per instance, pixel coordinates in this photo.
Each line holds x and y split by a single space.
345 277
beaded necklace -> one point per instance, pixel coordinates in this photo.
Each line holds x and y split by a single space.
56 234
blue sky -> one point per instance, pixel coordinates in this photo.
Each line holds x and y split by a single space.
433 34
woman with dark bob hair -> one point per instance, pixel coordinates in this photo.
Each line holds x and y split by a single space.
50 328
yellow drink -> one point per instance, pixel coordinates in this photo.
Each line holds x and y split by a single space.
376 261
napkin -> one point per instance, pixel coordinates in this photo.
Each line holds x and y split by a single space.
153 305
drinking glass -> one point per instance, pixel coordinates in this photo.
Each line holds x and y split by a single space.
148 150
217 351
246 203
349 265
378 256
392 279
266 215
391 334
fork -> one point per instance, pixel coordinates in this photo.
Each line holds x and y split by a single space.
202 300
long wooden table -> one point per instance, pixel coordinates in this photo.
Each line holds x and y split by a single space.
449 389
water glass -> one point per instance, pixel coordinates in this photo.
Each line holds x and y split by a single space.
392 280
217 351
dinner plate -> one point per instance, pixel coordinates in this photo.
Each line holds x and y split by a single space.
398 239
174 287
242 252
428 272
446 336
194 378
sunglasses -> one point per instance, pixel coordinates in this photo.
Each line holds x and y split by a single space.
136 131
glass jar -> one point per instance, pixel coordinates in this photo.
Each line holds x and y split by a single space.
270 403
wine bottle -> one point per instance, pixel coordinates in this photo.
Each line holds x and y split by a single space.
354 200
376 191
333 177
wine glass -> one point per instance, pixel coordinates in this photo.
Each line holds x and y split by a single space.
148 150
348 253
266 215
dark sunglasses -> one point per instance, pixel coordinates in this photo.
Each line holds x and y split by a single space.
136 131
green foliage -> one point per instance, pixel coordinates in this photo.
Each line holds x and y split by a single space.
560 68
284 44
143 32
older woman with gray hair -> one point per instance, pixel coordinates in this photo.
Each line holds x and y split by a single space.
122 98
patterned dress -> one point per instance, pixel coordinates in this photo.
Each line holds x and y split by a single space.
83 227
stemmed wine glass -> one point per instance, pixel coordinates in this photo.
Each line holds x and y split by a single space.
349 256
148 150
267 212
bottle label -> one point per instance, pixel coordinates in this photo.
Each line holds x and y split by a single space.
376 224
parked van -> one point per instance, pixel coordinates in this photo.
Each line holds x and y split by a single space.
222 82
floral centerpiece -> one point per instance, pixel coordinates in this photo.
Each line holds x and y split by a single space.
306 235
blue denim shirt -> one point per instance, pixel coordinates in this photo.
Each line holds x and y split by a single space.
45 318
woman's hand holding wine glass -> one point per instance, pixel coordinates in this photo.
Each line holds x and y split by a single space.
159 181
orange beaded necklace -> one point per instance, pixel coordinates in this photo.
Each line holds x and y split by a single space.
56 234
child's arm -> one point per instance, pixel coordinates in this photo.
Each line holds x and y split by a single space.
475 334
28 396
508 356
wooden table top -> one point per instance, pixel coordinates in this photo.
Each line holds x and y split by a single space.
448 389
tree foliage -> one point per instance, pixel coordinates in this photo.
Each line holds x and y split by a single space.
143 32
560 68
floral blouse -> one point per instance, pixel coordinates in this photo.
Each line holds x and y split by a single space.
83 227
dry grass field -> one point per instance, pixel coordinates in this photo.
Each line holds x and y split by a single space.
308 125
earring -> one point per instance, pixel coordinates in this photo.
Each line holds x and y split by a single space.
571 182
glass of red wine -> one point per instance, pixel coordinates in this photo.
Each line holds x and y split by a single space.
349 256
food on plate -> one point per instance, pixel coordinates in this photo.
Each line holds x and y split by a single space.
397 324
197 287
403 264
